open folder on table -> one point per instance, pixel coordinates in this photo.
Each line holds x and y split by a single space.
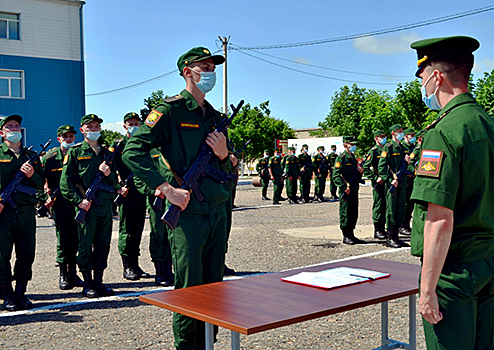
334 278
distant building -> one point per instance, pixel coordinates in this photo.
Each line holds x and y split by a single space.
304 133
42 65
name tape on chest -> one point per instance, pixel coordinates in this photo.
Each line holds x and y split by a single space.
430 163
5 160
153 118
189 126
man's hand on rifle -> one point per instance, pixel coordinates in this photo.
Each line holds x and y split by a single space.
176 196
234 160
408 159
217 141
105 169
49 202
123 191
347 191
160 194
395 183
27 169
1 207
379 180
84 205
360 169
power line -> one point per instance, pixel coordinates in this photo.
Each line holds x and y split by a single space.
235 47
374 33
313 74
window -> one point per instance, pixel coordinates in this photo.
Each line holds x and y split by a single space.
9 26
11 84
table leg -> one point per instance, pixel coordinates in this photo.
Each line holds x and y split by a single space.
209 336
235 340
412 322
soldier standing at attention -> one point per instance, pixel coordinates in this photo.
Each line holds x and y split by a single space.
17 226
331 160
345 166
305 164
408 144
81 163
321 170
179 126
63 211
391 159
275 173
292 173
378 195
453 225
262 169
132 212
159 246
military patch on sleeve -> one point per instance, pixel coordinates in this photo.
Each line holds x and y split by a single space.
369 157
337 164
430 163
384 154
65 159
153 118
412 155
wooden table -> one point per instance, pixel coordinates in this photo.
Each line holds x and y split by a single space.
263 302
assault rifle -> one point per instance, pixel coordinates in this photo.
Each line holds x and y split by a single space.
15 184
42 211
402 170
97 185
308 164
322 166
119 198
355 180
241 149
198 169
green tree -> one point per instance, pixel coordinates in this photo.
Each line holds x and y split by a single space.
151 102
109 136
484 92
414 113
257 124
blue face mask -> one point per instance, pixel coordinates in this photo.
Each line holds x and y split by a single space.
277 155
68 145
132 129
400 136
207 82
431 102
383 141
353 148
13 136
413 139
93 135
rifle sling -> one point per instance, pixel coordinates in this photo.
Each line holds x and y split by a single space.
175 176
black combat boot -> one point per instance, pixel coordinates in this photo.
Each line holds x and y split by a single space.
63 282
74 280
406 231
227 271
392 239
88 289
347 237
163 278
9 299
99 286
379 232
128 272
20 293
134 263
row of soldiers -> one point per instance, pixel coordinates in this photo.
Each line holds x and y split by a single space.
290 168
62 178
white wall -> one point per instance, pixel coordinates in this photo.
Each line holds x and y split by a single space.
49 29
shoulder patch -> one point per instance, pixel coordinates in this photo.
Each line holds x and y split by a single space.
369 157
337 164
384 154
412 155
65 159
430 163
153 118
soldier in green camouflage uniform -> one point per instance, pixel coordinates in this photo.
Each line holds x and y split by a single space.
132 212
321 171
305 164
331 160
262 168
378 192
80 166
17 225
391 159
291 173
345 166
275 173
63 210
179 126
409 143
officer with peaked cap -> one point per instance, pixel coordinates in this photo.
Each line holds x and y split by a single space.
305 164
321 171
178 127
453 221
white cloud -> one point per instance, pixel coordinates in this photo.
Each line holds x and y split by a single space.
118 126
483 65
385 45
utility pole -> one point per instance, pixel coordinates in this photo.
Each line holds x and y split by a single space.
225 41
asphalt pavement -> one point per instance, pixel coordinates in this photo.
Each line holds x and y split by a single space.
264 238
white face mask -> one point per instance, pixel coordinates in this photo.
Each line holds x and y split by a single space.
68 145
93 135
13 136
207 81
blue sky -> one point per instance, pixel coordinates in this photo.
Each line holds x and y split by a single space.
130 41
